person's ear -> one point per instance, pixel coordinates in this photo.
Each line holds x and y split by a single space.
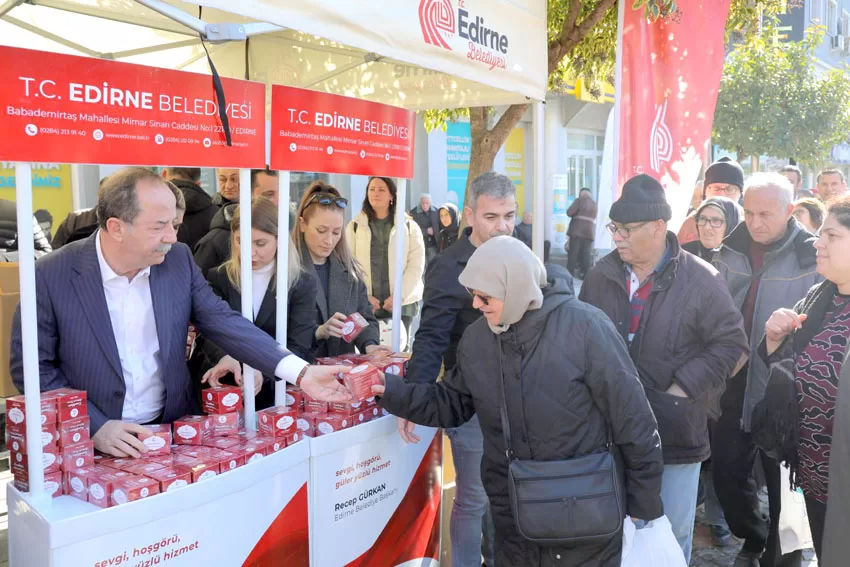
116 229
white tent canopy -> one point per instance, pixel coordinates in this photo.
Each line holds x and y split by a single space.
371 50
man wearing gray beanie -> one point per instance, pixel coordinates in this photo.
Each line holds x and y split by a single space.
684 332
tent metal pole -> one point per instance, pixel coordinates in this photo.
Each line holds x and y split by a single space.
176 14
8 6
52 37
398 276
167 26
245 277
282 289
538 128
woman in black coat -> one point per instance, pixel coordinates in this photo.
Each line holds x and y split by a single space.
715 219
301 318
448 226
319 237
567 376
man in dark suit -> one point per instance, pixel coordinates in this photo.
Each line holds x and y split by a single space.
113 314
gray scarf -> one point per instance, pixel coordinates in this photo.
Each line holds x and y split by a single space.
505 268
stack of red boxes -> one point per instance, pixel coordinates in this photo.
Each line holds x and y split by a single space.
64 439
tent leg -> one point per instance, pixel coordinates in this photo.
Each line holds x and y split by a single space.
282 290
245 276
8 6
538 128
398 276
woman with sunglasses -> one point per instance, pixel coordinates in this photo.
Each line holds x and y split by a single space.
320 240
225 281
715 219
372 236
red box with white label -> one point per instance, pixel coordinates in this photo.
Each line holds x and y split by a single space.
70 403
77 480
332 361
16 418
73 431
172 478
222 399
360 379
314 405
204 469
49 458
331 423
278 421
132 489
192 430
76 456
294 438
17 440
100 486
252 450
53 484
307 422
234 461
143 467
353 326
157 440
355 358
390 365
277 444
364 416
295 398
346 409
115 463
224 442
226 424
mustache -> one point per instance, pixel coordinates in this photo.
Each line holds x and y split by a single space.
163 248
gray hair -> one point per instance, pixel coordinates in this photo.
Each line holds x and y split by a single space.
775 182
494 185
117 196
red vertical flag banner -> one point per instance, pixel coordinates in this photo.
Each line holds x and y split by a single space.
670 73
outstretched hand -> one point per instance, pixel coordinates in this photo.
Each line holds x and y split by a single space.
320 382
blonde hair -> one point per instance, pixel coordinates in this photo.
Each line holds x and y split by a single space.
264 219
305 211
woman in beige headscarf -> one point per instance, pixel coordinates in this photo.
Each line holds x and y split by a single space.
567 375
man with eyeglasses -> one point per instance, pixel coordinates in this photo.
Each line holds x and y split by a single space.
768 263
684 333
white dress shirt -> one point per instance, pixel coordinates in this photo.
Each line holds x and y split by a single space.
134 326
261 278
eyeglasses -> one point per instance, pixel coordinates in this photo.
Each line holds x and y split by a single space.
484 299
326 199
713 223
624 231
729 190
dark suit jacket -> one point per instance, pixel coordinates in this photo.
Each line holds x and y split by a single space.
301 321
347 295
77 348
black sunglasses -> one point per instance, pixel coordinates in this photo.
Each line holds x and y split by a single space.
327 199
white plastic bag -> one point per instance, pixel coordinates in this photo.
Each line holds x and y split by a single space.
652 546
794 530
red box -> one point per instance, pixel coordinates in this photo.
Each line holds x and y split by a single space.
226 424
192 430
157 440
224 442
16 419
17 440
278 421
77 456
360 379
203 469
114 463
294 438
53 484
331 423
70 403
73 431
50 459
346 409
222 399
332 361
353 326
295 398
143 467
77 480
172 478
307 422
354 358
100 486
364 416
253 450
314 405
390 365
132 489
234 461
275 445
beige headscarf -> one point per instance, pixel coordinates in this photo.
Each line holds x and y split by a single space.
505 268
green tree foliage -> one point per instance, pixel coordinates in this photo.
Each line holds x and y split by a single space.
773 101
582 42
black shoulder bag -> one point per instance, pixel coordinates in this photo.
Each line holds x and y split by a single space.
564 503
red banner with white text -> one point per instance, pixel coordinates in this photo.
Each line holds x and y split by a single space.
671 71
313 131
69 109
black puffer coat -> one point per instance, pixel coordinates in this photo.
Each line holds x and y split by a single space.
567 371
214 248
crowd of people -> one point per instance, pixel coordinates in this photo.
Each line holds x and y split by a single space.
712 358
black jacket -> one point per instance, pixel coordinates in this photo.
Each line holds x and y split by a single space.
77 225
431 220
523 232
347 295
567 374
300 322
214 248
220 201
199 213
690 333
